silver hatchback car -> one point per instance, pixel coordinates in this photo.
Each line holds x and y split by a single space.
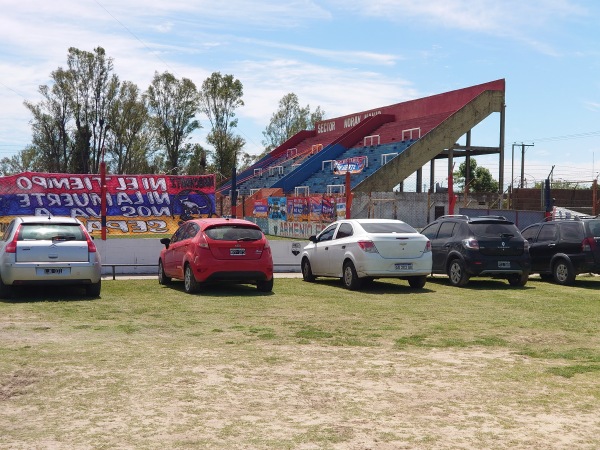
42 250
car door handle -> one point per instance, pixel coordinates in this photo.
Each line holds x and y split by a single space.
551 245
326 248
343 247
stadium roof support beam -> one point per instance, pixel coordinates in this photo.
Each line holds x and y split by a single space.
432 144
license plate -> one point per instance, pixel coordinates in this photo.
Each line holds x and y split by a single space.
55 271
504 264
403 266
237 251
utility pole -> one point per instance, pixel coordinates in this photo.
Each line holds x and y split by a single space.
523 162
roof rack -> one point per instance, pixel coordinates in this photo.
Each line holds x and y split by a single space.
454 216
491 217
573 217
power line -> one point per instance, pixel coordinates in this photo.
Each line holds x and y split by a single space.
567 137
133 34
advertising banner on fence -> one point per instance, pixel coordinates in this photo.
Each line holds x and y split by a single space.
356 164
298 209
135 204
261 207
277 208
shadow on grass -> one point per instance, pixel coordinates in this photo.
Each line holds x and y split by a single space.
379 286
479 284
222 289
32 294
582 282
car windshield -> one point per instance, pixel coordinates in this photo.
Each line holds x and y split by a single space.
387 227
51 231
494 229
234 233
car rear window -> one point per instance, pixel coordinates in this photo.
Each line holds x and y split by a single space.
234 233
51 231
594 226
388 227
494 229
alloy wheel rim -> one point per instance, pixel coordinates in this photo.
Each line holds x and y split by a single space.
561 272
455 272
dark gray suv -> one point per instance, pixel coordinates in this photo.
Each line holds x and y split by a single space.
490 246
562 249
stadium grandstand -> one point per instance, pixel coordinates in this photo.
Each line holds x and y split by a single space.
392 142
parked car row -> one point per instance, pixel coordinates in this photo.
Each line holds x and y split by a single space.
361 250
59 251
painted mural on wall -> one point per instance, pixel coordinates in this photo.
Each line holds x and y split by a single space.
135 204
301 209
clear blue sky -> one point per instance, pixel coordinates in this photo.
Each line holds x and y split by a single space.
343 56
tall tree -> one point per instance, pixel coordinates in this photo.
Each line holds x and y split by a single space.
130 140
92 91
220 96
52 142
288 120
198 164
480 178
173 105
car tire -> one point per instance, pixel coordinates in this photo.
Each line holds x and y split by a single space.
518 279
265 285
93 290
162 276
6 290
350 278
563 272
417 282
190 285
457 273
307 274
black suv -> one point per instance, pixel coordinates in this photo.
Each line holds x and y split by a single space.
562 249
463 247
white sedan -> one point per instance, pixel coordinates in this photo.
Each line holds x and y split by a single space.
358 250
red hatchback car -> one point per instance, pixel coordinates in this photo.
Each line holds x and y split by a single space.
217 249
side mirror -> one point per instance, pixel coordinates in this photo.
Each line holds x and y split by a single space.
313 239
165 242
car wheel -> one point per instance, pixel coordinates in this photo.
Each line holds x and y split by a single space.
162 276
518 279
265 285
563 272
457 273
190 285
307 274
93 290
6 291
350 278
417 282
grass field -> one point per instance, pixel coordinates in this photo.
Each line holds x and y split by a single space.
310 366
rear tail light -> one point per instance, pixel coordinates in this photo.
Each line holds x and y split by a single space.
202 242
11 247
367 246
427 247
588 244
525 245
90 242
471 243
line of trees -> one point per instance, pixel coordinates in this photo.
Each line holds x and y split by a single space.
87 113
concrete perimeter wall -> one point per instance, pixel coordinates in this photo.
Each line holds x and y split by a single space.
286 255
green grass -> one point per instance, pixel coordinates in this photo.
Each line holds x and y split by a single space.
111 372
